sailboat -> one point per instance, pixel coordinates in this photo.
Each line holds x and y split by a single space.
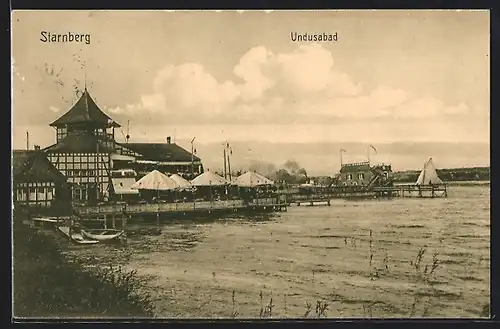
428 175
428 180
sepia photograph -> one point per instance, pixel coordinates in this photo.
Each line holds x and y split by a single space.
258 164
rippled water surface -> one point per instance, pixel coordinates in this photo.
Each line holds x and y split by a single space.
321 253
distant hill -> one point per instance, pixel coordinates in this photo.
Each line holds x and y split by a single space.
450 175
323 159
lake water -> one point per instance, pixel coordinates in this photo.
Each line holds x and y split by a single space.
320 254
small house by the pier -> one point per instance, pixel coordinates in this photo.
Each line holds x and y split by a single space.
87 153
36 182
363 174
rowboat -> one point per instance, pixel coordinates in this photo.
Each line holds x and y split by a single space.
75 236
102 235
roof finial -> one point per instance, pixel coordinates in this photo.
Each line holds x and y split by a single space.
85 69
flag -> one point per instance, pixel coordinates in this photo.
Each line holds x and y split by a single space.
373 147
342 150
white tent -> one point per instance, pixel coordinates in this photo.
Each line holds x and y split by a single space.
181 182
428 175
155 180
252 179
208 178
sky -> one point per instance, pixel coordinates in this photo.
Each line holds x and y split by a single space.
391 76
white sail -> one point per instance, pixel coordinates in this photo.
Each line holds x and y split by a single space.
428 175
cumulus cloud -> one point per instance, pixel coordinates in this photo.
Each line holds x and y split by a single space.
270 87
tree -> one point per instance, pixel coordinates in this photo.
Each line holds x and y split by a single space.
302 172
292 166
285 176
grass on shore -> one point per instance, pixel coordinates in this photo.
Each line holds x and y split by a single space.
48 284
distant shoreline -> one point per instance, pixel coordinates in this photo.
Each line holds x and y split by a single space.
456 183
464 176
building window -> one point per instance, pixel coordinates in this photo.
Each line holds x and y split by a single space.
354 183
361 176
20 195
79 194
386 174
349 176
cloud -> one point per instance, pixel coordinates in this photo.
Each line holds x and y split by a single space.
262 81
298 86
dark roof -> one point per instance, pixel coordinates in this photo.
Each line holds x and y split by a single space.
85 110
33 166
161 151
355 167
78 142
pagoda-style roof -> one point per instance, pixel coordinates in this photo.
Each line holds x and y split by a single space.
85 110
79 142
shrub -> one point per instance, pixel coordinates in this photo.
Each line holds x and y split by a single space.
47 284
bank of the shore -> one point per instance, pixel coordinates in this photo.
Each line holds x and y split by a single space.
47 283
453 183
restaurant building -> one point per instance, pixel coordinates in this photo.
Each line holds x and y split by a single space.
363 174
87 154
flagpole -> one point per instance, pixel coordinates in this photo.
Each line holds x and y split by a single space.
341 160
192 158
225 170
368 153
229 152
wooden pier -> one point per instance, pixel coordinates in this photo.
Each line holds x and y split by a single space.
360 192
111 214
413 191
310 200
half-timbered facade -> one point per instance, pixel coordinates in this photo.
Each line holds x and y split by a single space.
87 154
36 182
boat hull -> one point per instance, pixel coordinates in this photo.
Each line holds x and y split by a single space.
102 237
75 237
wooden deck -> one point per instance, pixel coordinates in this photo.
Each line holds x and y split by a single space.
265 204
413 191
359 192
310 200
